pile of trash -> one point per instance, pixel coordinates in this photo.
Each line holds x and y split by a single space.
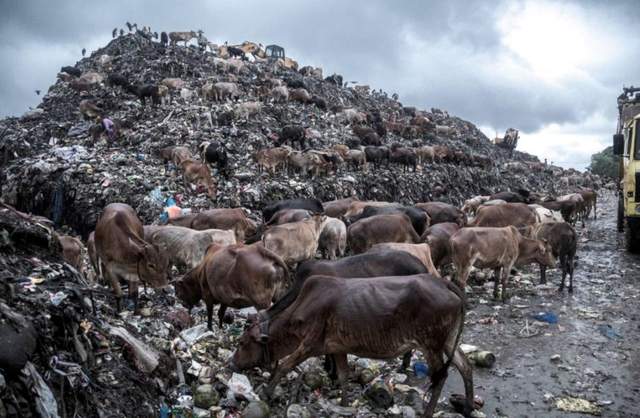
52 164
73 354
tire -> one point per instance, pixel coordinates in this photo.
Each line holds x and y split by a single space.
632 235
620 214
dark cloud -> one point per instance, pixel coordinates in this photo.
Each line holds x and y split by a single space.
449 55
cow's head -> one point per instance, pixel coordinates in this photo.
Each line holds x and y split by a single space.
188 290
252 348
153 265
544 254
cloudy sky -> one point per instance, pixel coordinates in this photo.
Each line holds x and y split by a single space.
551 69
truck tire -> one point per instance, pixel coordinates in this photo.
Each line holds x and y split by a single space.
620 214
632 235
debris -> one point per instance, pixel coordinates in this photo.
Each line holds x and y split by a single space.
146 359
379 395
420 369
297 411
555 358
256 409
482 358
583 406
240 386
46 404
608 331
195 334
205 396
548 317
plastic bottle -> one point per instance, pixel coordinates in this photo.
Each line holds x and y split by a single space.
420 369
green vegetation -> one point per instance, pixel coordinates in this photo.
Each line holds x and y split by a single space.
604 163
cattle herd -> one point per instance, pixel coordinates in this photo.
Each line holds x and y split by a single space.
392 279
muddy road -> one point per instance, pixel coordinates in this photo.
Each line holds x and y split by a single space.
596 335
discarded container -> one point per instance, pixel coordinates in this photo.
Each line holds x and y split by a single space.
379 395
420 369
548 317
482 358
240 385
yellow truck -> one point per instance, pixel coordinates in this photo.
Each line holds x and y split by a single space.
626 145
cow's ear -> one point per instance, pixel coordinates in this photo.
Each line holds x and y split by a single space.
137 249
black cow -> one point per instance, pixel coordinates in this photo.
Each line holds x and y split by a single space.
311 204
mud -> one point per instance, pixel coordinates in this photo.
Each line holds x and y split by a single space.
525 382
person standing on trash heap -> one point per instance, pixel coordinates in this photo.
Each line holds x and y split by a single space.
108 126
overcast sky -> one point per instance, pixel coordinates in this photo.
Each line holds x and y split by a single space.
551 69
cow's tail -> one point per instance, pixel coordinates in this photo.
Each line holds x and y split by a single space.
463 311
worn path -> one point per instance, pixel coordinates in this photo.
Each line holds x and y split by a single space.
596 335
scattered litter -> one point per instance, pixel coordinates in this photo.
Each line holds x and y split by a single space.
548 317
608 331
583 406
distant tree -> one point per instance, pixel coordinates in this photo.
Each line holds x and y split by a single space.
604 163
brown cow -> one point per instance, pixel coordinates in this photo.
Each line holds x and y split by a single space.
563 241
420 251
380 317
175 154
516 214
238 276
198 174
72 251
125 255
438 237
234 219
337 208
498 249
295 241
443 212
272 158
356 207
590 198
366 232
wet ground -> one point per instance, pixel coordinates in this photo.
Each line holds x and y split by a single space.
596 334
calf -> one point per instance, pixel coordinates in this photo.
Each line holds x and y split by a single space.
563 241
442 212
380 228
72 251
234 219
177 155
194 172
497 248
311 204
379 317
293 134
438 237
296 241
125 255
356 158
185 246
333 238
420 251
516 214
237 276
